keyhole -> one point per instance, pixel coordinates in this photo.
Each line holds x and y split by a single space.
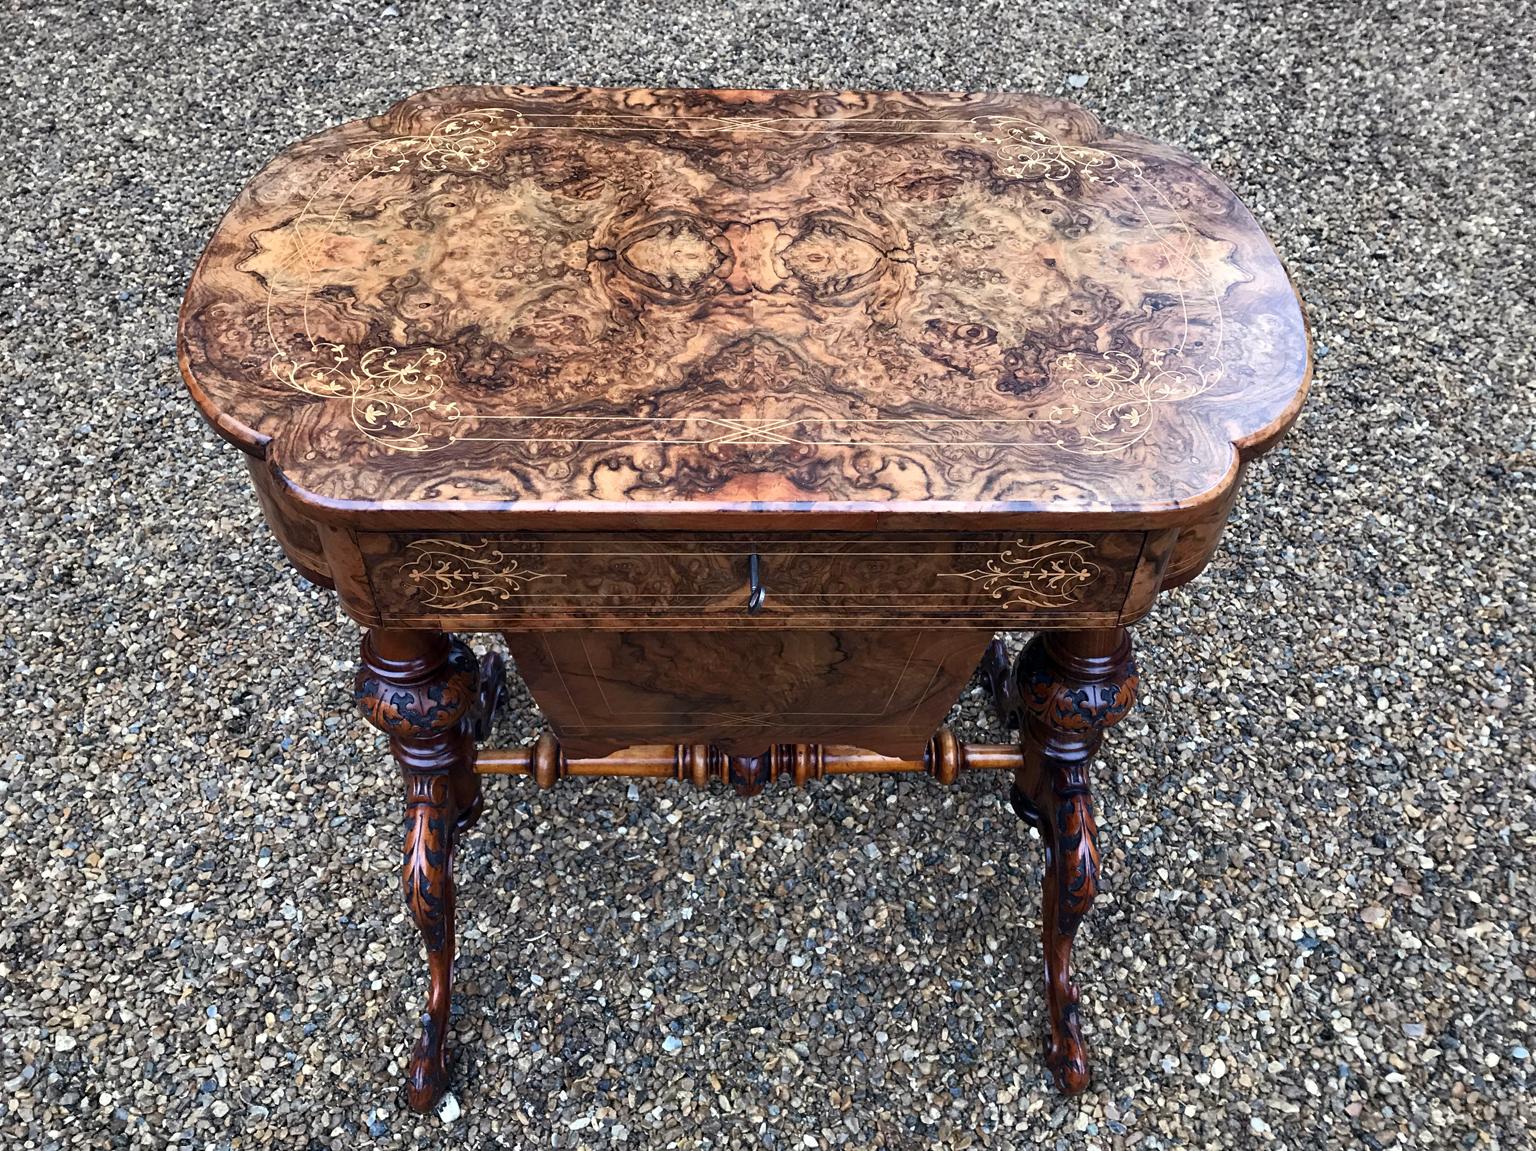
755 593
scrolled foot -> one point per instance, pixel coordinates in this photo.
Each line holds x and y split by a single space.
426 1080
1066 1055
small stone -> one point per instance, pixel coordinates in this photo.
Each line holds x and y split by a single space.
448 1110
671 1044
1218 1068
1077 80
1258 1126
1414 1030
64 1042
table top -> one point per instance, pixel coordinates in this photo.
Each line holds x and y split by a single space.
502 302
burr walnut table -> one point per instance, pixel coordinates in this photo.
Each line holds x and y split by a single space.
747 417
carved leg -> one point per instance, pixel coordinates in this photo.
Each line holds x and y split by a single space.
490 694
997 671
420 688
1071 686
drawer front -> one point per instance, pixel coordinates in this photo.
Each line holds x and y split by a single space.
649 579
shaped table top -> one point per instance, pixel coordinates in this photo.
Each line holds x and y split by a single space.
498 301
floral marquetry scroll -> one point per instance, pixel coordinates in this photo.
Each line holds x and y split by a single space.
739 300
1049 574
393 392
466 142
1031 151
453 575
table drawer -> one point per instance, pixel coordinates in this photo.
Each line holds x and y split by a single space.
642 579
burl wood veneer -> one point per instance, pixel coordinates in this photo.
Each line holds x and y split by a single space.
747 417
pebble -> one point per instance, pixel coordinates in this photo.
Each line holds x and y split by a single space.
1317 815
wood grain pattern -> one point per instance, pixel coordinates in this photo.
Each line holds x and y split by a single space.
650 580
882 690
497 301
298 536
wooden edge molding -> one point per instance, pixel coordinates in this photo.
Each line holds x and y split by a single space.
686 515
1255 444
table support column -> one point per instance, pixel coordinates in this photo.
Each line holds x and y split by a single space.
424 690
1066 689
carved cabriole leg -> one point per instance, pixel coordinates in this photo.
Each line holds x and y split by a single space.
1069 688
424 690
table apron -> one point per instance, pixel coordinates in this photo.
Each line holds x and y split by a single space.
532 581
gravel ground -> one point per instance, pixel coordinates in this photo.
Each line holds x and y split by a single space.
1318 824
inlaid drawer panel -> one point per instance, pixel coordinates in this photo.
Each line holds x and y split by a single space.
636 580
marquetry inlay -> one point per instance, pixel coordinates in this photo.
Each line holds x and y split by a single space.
453 575
1051 574
580 294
